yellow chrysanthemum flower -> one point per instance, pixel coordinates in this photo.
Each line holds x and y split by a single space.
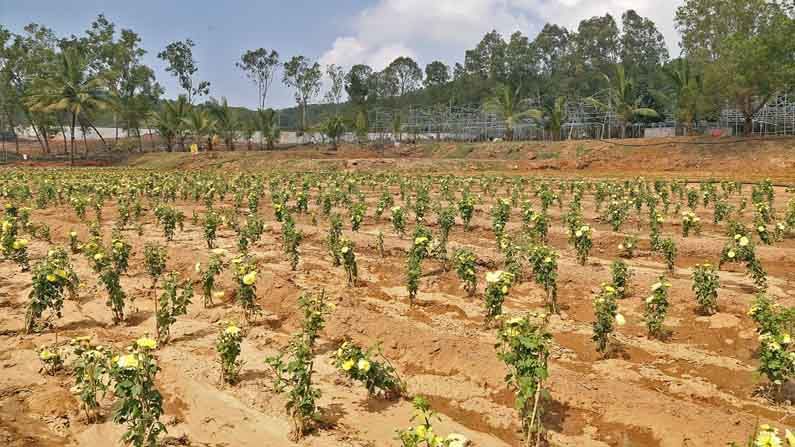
146 343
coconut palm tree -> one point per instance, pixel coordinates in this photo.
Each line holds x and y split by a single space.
72 89
688 91
170 121
507 102
200 124
623 100
226 121
268 125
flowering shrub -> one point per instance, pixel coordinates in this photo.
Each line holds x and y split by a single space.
369 367
667 247
333 239
605 313
245 273
140 404
398 220
155 257
626 249
544 263
690 224
173 302
423 435
349 261
169 218
210 224
465 264
91 368
776 350
51 360
497 286
294 376
466 208
291 240
523 344
500 213
418 252
656 307
52 277
228 347
315 308
621 278
741 249
583 243
207 276
705 285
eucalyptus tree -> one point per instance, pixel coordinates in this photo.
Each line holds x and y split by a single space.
304 76
259 66
179 57
405 75
72 89
336 76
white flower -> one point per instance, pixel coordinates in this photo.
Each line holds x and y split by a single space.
743 241
493 277
620 320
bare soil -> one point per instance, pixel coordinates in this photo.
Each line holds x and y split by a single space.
696 388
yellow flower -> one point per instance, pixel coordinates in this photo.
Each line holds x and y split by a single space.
493 277
250 278
218 295
146 343
218 251
737 237
420 240
345 249
348 364
98 257
129 361
20 244
52 278
73 234
232 330
650 299
790 438
620 320
743 241
656 286
47 355
731 254
620 246
767 437
421 431
578 233
198 267
504 289
363 365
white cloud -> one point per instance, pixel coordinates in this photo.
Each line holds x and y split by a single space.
444 29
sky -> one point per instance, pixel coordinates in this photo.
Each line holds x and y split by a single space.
343 32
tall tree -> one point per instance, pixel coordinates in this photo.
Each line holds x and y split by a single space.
406 75
485 60
304 76
336 76
357 84
745 47
596 51
624 100
259 66
179 57
437 74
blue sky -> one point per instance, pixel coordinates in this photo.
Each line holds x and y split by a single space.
332 31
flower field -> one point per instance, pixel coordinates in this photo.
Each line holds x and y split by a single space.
368 308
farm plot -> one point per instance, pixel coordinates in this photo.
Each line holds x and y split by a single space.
326 309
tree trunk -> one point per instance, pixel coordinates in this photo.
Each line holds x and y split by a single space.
748 126
72 136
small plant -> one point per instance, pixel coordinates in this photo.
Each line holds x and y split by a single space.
499 215
705 285
398 220
155 257
294 376
211 223
422 435
228 347
52 278
291 240
51 360
140 404
605 313
173 303
245 273
74 243
690 224
497 286
621 277
656 307
626 249
120 251
776 349
369 367
524 346
207 276
315 308
465 265
544 262
741 249
583 243
418 252
466 208
667 247
169 218
349 261
92 368
333 239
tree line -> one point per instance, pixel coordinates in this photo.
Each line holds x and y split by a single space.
734 53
